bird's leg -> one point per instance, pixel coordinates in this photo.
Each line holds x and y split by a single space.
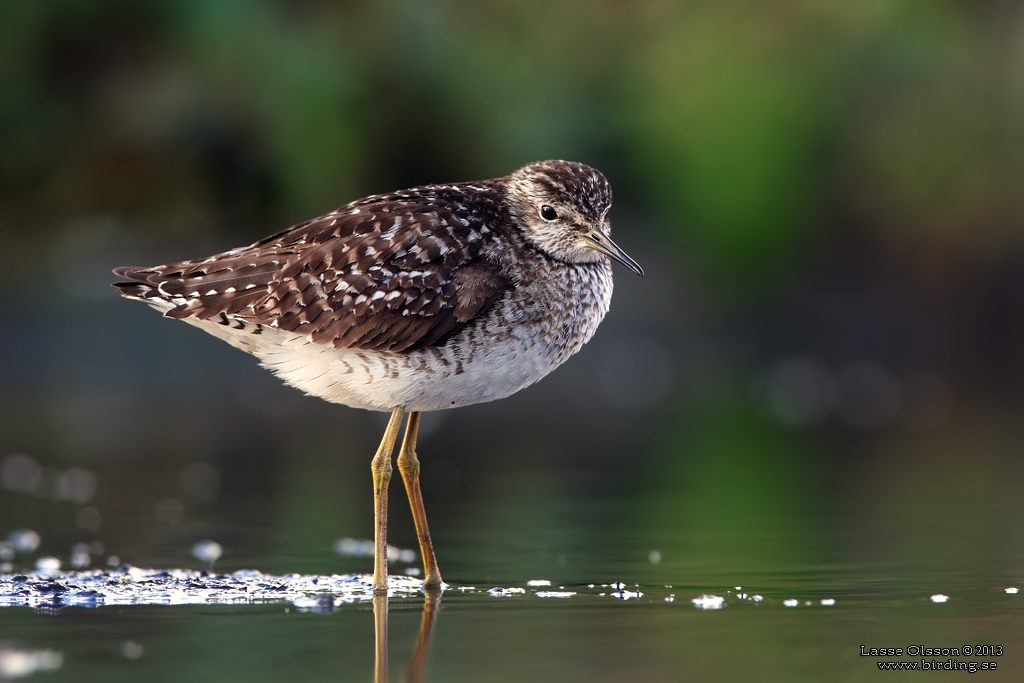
380 639
418 661
381 467
409 465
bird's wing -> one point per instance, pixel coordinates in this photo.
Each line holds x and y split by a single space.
390 273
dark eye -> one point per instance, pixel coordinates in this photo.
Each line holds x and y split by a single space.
548 213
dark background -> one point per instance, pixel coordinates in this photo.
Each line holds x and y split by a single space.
824 364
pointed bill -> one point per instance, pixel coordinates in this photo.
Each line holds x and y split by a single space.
598 241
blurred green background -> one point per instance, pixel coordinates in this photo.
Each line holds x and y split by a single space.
817 384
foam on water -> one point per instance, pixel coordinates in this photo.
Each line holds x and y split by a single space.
15 663
709 602
49 588
129 585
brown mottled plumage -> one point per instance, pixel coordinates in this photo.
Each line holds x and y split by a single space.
421 259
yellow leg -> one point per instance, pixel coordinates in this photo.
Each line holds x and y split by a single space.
381 467
409 465
418 662
380 622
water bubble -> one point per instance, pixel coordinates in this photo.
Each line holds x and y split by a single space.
48 564
207 551
24 540
170 512
76 485
791 602
828 602
89 519
20 473
80 558
401 555
21 663
626 595
200 480
1012 591
538 582
352 547
939 597
132 650
708 602
133 585
48 481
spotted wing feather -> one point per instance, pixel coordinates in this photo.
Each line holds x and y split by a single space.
388 273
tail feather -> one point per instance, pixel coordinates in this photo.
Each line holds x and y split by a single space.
134 290
184 290
139 287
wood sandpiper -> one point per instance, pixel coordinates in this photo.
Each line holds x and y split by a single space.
424 299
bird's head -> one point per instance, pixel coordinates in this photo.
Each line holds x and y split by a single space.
562 208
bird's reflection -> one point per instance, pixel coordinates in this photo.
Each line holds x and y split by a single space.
417 662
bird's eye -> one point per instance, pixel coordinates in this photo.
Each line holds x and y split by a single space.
548 213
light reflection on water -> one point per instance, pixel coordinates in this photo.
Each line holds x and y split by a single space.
556 621
601 633
703 543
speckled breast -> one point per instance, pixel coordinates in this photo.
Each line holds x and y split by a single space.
532 330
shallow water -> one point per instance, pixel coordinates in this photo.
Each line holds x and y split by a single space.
589 588
596 634
610 632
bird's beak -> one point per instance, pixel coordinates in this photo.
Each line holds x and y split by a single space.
598 241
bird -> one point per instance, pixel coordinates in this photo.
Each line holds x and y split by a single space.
430 298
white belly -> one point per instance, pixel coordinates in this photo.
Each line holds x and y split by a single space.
430 379
515 344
